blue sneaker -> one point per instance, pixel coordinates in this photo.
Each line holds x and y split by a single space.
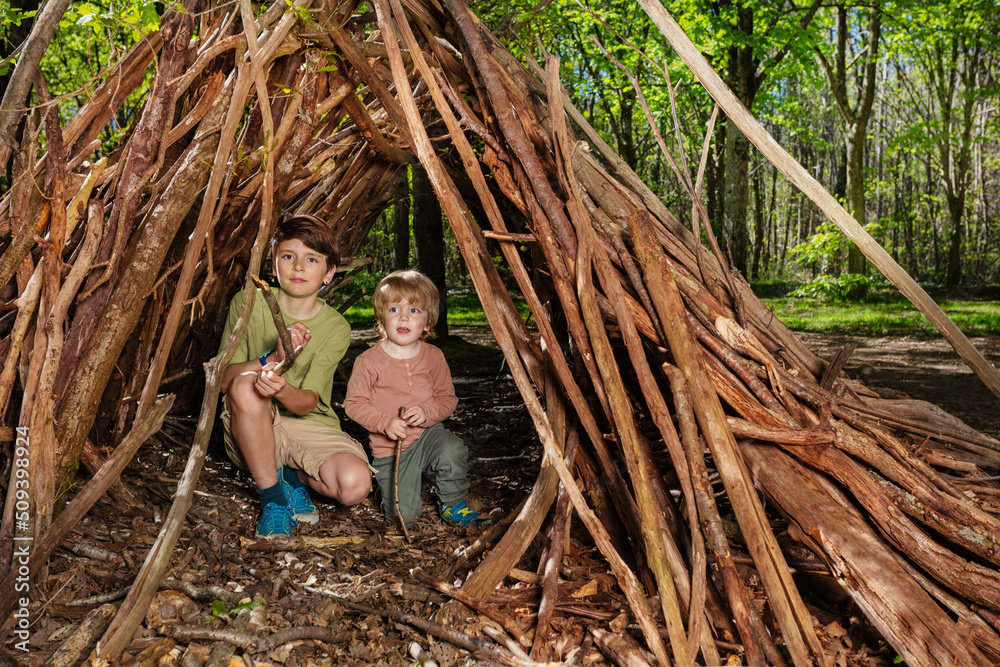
275 521
462 515
299 502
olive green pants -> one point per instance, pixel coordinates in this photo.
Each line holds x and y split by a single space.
438 453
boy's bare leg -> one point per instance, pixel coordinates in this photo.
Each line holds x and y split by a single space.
251 426
343 477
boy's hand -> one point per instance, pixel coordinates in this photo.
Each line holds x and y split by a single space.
267 382
395 428
415 416
300 336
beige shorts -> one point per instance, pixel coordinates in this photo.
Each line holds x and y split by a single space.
298 443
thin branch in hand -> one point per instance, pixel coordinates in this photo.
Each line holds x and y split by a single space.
286 338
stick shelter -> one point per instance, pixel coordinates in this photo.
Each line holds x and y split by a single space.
659 385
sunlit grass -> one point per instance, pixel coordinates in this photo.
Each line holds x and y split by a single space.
464 309
889 316
885 315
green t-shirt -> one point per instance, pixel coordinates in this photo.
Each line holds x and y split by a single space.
330 334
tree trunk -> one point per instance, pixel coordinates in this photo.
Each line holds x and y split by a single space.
737 191
401 224
760 233
956 214
428 236
856 115
743 81
856 262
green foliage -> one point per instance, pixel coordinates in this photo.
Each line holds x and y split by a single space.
834 287
821 247
302 12
11 17
91 38
881 314
219 607
135 18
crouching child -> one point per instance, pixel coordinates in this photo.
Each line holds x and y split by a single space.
282 429
401 389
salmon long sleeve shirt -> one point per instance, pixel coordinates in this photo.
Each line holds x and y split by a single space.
381 384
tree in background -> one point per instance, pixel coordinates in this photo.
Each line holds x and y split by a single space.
755 38
401 224
951 49
428 236
853 85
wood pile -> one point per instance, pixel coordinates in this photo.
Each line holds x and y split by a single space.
654 374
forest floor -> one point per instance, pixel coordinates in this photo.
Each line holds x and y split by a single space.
353 555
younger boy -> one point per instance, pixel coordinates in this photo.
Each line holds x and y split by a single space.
282 429
400 389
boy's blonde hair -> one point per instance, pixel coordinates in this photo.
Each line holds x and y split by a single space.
413 286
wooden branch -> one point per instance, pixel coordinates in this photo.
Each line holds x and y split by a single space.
279 321
510 237
13 256
375 138
836 365
652 524
791 613
75 648
86 497
468 118
12 107
558 534
250 641
620 648
395 482
755 638
460 639
116 323
823 519
506 621
785 436
26 305
353 51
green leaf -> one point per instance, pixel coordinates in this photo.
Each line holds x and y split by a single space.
248 605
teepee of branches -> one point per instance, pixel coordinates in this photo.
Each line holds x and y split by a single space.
651 360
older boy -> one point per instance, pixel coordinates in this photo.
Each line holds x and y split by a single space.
400 389
282 429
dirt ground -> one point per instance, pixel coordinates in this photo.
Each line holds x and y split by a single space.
922 367
352 555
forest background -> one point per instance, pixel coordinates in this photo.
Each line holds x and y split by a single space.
893 106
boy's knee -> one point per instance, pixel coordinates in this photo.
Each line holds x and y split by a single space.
242 394
354 487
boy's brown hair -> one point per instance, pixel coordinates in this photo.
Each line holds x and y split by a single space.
313 232
413 286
